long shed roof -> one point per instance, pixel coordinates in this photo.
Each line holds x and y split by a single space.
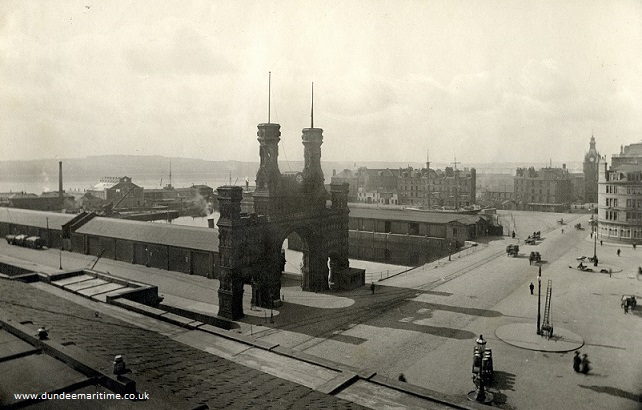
190 237
414 216
40 219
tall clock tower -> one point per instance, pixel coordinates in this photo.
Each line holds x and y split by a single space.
591 160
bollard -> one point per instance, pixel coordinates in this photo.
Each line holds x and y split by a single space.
43 334
119 365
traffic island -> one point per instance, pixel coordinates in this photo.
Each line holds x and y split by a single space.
523 335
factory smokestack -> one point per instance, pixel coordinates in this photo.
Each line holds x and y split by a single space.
60 191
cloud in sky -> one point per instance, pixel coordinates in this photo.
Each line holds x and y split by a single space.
499 81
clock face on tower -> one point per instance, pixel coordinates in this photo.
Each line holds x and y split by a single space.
592 159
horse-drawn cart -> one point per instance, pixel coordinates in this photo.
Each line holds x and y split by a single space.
512 250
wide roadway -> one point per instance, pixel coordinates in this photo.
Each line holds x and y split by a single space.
423 323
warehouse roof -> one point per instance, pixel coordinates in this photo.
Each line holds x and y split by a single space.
414 216
40 219
180 236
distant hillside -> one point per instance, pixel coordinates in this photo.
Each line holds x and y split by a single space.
152 169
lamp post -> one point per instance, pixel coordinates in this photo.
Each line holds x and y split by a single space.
48 240
539 299
60 259
481 392
594 228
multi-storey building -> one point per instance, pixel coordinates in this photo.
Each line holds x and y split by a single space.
590 168
578 184
412 186
620 196
548 189
452 188
352 178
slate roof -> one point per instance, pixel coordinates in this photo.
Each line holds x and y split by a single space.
180 236
34 218
414 216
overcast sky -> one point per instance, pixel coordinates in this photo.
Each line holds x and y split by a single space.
481 81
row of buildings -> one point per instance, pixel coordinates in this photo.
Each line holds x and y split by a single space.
112 193
451 188
547 189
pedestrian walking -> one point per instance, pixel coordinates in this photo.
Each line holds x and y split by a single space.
372 287
600 242
618 252
401 377
532 287
585 364
577 360
633 246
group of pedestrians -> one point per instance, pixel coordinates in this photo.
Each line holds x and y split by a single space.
581 364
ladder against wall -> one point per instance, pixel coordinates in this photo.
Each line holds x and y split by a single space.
547 326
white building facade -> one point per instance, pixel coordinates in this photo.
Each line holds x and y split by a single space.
620 197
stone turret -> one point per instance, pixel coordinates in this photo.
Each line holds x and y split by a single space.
268 177
312 173
230 292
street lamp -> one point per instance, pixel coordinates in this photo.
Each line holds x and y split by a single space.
60 259
481 347
539 298
594 228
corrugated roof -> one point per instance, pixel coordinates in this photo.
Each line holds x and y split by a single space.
205 239
35 218
413 216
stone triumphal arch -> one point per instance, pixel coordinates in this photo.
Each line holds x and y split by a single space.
250 242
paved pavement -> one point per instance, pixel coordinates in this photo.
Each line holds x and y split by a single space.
521 335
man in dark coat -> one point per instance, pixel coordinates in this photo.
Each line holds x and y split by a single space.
584 364
576 362
532 287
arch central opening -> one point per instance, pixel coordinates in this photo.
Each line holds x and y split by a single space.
295 248
305 260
